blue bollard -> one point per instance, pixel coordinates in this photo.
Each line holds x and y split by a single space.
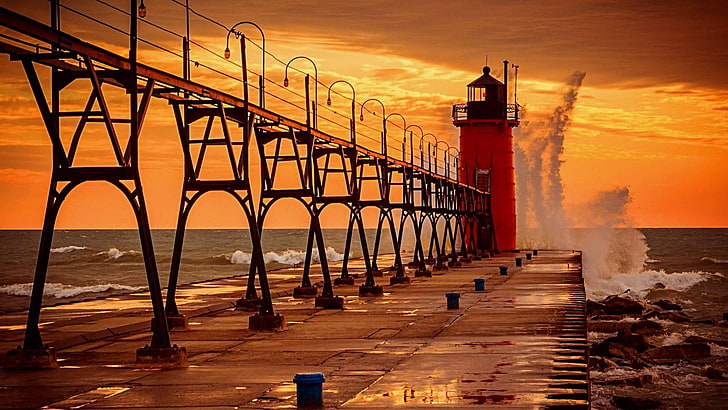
503 270
479 284
309 389
453 300
528 256
535 252
519 262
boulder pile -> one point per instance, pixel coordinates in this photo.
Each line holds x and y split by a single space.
636 344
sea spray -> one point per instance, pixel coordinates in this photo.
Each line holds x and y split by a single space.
538 147
615 253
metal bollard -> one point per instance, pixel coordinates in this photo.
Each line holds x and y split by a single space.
309 389
453 300
479 284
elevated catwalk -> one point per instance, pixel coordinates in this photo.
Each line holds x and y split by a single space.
519 344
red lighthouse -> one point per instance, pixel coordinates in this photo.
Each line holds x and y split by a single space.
486 123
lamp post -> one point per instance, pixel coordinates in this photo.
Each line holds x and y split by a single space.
242 48
457 161
384 122
444 157
404 130
315 86
412 152
429 155
353 106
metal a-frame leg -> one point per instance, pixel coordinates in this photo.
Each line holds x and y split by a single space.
34 354
345 278
327 299
265 319
369 287
449 233
251 301
307 289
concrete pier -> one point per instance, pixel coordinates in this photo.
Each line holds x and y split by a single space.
521 343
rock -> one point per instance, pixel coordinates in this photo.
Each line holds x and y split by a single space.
647 328
675 353
620 350
699 340
659 285
692 340
651 313
624 345
593 307
704 321
601 363
634 362
638 342
714 374
667 305
677 317
617 305
611 348
626 402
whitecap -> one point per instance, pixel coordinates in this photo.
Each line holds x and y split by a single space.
66 249
61 290
287 257
240 257
714 260
111 254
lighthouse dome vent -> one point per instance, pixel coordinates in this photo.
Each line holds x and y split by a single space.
486 70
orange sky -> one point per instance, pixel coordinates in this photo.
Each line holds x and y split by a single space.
651 113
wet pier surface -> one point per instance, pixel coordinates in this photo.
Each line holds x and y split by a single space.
521 343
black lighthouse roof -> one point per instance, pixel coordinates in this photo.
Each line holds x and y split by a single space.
485 79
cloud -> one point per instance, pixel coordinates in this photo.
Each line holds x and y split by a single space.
20 175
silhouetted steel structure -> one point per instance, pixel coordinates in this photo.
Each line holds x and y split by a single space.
205 119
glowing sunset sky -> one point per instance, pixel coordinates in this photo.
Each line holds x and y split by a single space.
652 114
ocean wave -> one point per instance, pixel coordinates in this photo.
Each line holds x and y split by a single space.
61 290
66 249
713 260
114 254
288 257
639 284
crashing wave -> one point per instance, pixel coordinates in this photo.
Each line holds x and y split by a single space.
288 257
114 254
61 290
67 249
641 283
713 260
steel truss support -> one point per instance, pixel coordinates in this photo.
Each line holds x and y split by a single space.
123 174
187 112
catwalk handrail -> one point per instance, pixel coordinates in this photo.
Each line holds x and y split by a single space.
30 27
